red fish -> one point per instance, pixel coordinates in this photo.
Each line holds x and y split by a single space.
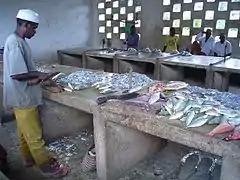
224 127
234 136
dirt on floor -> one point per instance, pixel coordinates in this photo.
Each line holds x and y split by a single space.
164 165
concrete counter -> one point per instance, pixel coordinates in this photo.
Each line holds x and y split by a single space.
141 129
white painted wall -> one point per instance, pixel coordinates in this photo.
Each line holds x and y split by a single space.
64 24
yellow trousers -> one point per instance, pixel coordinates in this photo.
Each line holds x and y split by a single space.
30 134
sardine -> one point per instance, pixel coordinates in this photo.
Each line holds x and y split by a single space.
176 116
183 119
215 120
212 112
198 122
154 98
179 106
169 104
70 86
190 117
205 108
168 109
67 89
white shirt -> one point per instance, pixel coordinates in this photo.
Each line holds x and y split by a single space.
219 48
206 47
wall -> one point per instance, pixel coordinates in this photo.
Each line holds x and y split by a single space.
152 22
64 24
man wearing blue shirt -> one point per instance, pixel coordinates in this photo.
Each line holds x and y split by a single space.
133 38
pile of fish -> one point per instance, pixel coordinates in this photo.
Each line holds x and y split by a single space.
123 82
80 79
228 99
196 111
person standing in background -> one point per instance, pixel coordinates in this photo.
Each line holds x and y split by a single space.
171 42
206 42
223 47
133 38
22 92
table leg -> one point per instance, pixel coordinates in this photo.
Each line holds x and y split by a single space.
230 169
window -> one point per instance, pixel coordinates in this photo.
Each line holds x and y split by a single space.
101 17
123 10
115 30
177 8
109 35
109 23
234 15
197 23
101 29
130 2
138 9
186 31
209 15
233 32
223 6
220 24
138 24
166 31
198 6
115 4
166 16
123 36
166 2
115 16
187 1
186 15
176 23
130 17
101 6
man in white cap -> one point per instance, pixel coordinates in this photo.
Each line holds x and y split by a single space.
22 92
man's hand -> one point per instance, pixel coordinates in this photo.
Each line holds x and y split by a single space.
47 76
34 82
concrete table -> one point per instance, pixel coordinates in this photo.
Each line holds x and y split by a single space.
222 73
125 135
141 57
72 57
172 69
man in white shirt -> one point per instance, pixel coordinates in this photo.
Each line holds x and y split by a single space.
223 47
206 42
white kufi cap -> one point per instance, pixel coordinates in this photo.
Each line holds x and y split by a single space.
28 15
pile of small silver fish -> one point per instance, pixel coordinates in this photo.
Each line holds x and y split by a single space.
63 149
228 99
80 79
121 82
196 111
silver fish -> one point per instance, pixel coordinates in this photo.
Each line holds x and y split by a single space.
215 120
180 105
188 107
176 116
190 117
183 119
169 104
169 110
70 86
199 121
212 112
205 108
154 98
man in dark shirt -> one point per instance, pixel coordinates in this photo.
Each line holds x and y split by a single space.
133 39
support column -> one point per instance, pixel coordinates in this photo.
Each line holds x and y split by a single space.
230 169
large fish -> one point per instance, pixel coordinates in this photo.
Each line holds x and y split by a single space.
200 121
190 117
234 136
176 116
224 127
154 98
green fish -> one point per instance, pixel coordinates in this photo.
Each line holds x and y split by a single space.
179 106
168 109
215 120
176 116
200 121
190 117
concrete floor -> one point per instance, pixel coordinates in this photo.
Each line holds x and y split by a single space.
166 161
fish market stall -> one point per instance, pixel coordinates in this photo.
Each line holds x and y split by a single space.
72 57
222 73
141 60
129 131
